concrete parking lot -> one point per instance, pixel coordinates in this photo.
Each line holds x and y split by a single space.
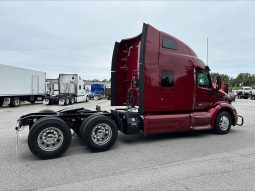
177 161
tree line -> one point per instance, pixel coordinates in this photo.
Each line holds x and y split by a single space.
242 79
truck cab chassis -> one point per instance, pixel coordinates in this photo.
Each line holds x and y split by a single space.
161 84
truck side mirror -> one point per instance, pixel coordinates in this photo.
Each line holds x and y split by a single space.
219 81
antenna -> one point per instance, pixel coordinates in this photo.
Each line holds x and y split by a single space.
207 51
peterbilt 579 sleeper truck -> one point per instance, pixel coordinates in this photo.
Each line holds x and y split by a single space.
163 86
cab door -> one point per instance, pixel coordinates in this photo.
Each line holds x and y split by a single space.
167 95
203 94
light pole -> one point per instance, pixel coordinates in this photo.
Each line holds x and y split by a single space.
207 51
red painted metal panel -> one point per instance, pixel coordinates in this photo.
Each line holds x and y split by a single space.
137 72
126 67
181 96
200 120
166 123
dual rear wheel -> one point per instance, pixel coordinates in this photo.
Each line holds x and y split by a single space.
50 137
98 132
69 100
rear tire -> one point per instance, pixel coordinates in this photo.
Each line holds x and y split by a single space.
67 101
99 133
49 137
83 124
223 123
72 100
15 102
1 102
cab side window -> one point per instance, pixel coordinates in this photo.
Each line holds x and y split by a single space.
167 78
203 80
169 43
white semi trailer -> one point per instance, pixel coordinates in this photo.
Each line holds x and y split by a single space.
19 84
71 90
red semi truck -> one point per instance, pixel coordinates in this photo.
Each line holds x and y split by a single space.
164 87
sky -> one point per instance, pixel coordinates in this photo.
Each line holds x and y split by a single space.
79 36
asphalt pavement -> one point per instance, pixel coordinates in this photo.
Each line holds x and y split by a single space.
176 161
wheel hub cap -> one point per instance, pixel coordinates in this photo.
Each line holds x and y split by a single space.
224 122
50 139
101 134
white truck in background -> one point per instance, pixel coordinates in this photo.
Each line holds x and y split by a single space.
253 93
52 87
71 90
19 84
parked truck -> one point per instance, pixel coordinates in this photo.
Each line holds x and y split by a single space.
252 94
108 93
244 93
162 86
71 90
97 91
52 87
19 84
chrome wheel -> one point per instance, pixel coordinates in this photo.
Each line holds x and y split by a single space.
101 134
50 139
224 123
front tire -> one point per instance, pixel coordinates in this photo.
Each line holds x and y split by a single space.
49 137
99 133
223 123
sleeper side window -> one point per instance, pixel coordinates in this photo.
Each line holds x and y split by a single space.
167 78
169 43
203 80
79 87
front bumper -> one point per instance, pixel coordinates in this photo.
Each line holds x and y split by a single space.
242 120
